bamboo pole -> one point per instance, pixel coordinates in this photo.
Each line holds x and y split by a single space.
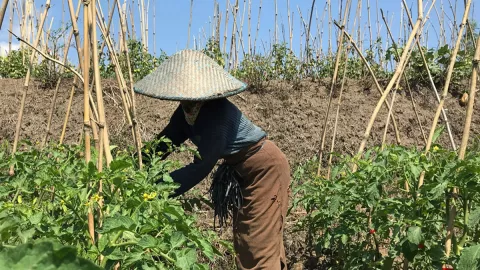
290 30
190 23
332 85
339 102
233 40
430 77
375 80
10 26
132 112
453 59
68 110
258 27
307 49
399 69
250 26
471 102
276 22
3 10
389 32
59 81
86 105
26 84
99 91
226 29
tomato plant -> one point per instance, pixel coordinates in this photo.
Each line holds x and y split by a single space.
367 219
136 223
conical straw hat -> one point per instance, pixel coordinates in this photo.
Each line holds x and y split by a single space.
189 75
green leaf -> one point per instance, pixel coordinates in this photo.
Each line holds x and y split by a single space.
119 164
177 240
25 236
414 235
185 258
470 258
207 249
474 218
437 133
43 255
36 218
148 241
117 223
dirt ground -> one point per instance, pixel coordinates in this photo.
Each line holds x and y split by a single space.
293 119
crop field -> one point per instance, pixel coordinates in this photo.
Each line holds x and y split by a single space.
373 103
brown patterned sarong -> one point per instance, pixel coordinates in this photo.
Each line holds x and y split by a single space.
258 225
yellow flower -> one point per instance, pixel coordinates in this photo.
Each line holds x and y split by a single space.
19 199
436 148
96 197
149 196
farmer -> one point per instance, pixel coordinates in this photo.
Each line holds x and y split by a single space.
254 178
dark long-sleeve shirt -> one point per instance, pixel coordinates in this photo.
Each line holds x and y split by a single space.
220 130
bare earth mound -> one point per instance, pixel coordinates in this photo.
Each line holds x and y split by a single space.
292 118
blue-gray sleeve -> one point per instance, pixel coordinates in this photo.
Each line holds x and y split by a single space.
173 131
211 150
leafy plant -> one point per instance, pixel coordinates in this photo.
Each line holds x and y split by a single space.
256 70
142 62
53 191
13 65
368 220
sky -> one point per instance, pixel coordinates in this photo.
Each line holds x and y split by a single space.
172 21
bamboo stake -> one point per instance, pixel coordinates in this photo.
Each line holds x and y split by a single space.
132 111
397 73
289 25
3 9
332 85
86 107
190 23
99 91
250 26
453 59
375 80
258 27
154 28
234 32
10 27
276 23
26 85
432 83
471 102
339 102
68 110
226 29
307 49
54 99
405 77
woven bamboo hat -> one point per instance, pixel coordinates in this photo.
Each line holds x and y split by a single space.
189 75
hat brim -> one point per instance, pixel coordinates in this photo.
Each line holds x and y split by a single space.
173 98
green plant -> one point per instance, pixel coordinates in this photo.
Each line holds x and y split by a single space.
141 227
367 220
13 65
256 70
212 49
142 62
